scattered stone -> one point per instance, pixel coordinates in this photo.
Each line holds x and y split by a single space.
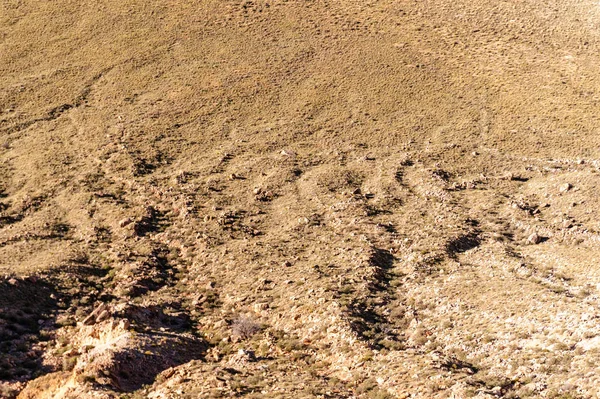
357 191
287 263
264 195
13 281
181 177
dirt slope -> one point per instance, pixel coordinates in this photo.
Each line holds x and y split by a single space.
289 199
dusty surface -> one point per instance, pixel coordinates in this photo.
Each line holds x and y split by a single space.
289 199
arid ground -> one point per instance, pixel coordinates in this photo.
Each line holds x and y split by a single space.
299 199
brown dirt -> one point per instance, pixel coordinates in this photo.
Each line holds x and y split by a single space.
328 198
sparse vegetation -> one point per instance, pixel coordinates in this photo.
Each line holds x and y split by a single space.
299 199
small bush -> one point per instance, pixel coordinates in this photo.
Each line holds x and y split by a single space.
245 327
68 363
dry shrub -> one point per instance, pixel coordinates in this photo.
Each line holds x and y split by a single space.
245 327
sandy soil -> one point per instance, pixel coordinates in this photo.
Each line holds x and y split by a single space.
297 199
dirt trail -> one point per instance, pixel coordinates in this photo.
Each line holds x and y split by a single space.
328 198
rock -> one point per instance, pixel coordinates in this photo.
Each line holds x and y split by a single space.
287 263
125 222
242 356
13 281
303 220
95 315
103 316
85 349
71 352
565 187
124 324
258 307
88 321
534 239
199 300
